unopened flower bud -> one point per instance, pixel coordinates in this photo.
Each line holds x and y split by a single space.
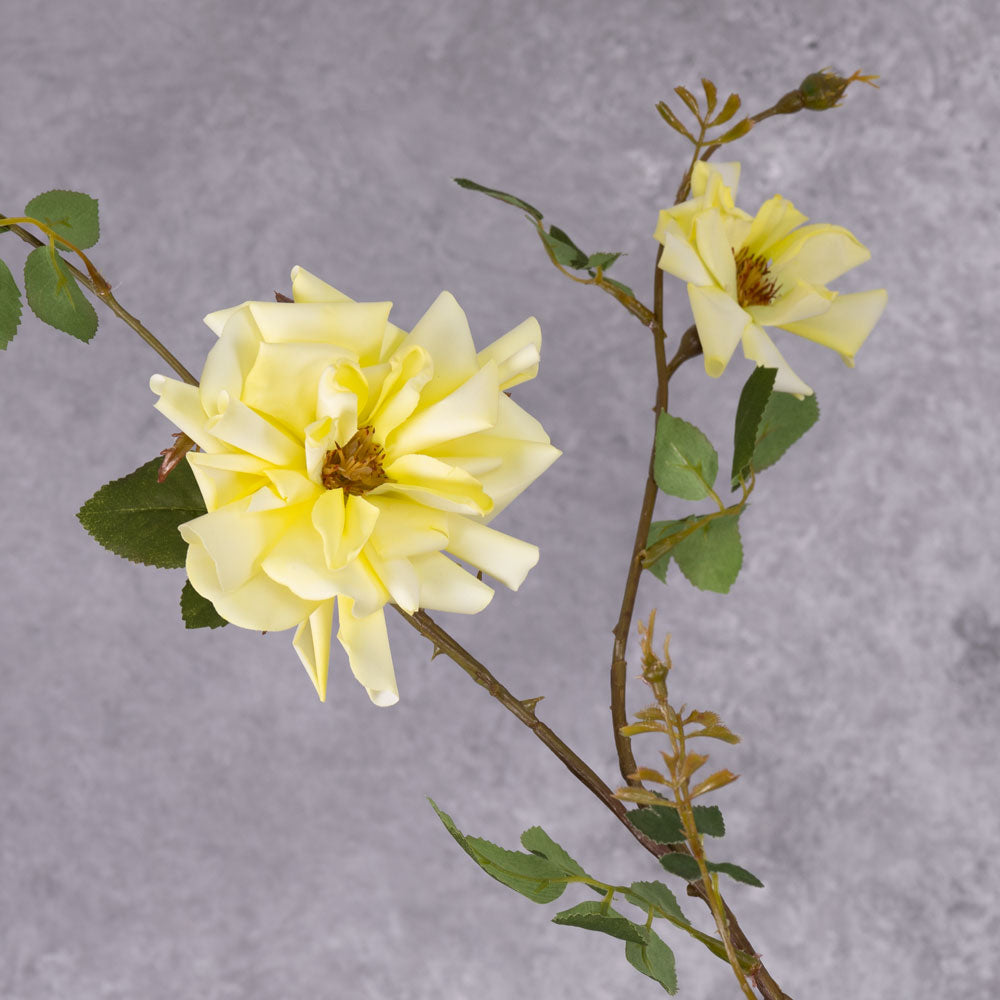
823 90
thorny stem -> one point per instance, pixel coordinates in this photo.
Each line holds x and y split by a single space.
96 284
524 710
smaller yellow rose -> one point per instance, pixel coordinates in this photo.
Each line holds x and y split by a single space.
343 461
746 272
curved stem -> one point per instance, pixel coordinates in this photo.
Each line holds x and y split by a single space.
103 292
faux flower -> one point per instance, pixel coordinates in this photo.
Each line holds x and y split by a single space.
745 272
346 464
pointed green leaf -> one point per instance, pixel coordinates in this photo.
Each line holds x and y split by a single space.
785 420
592 916
735 872
10 306
659 530
653 959
660 823
729 109
70 213
198 611
656 894
500 195
536 840
708 820
688 98
449 825
712 555
55 297
620 286
753 399
687 868
672 120
739 130
602 260
685 464
711 94
565 251
532 876
137 517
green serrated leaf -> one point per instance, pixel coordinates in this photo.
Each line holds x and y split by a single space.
620 286
685 464
711 94
449 825
712 555
70 213
532 876
536 840
602 260
687 868
137 517
592 916
55 297
565 251
10 306
739 130
653 959
729 109
673 121
660 823
647 894
688 98
753 399
659 530
709 821
198 611
785 420
500 195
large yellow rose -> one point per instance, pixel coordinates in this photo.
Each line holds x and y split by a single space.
746 272
344 460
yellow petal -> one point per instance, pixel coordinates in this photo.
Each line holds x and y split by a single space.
306 287
259 604
181 405
366 642
399 577
798 302
471 407
759 347
715 250
357 326
445 586
405 528
443 331
243 428
846 324
710 176
504 557
296 562
436 484
343 391
312 643
817 254
345 525
292 486
720 323
516 353
223 478
774 220
409 371
216 321
230 359
679 257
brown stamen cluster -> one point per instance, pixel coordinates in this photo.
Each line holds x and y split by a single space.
754 284
355 467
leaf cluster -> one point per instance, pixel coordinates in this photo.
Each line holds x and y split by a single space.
137 517
706 119
50 288
707 547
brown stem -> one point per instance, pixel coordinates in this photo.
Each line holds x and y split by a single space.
524 710
104 294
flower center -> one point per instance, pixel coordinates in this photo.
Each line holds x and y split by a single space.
355 467
754 284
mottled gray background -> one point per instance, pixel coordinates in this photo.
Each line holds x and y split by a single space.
181 818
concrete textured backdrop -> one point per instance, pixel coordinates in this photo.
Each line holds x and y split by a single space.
181 818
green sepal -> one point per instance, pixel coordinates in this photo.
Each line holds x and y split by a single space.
532 876
710 556
785 420
687 868
753 400
72 214
685 464
536 840
55 297
500 195
198 611
660 823
10 306
653 958
594 916
657 895
565 251
137 517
